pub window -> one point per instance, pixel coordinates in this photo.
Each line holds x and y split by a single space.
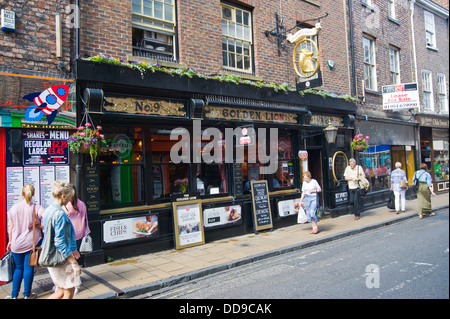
168 177
284 176
370 72
153 29
377 165
236 39
121 168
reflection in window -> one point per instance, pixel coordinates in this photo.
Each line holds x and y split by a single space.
121 167
284 176
377 164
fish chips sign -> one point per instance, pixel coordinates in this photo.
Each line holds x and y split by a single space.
400 96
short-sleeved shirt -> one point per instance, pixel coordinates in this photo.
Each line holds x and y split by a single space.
353 173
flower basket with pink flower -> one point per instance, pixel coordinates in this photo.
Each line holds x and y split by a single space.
360 143
87 140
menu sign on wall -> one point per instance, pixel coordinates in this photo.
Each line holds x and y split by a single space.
262 215
41 148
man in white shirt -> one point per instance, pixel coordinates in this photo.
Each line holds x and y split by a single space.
353 173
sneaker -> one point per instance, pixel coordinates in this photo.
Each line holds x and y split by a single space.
32 296
9 297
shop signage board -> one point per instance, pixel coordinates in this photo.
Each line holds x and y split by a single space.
188 221
45 152
400 96
262 215
130 228
212 112
224 215
288 207
143 106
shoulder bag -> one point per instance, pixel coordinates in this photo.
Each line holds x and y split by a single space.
415 183
35 251
86 245
50 256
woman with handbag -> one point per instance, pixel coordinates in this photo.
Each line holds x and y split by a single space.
310 191
21 234
77 213
425 190
57 225
399 185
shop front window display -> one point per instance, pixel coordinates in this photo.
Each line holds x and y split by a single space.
377 165
441 169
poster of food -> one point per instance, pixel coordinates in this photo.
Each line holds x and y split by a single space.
188 223
288 207
218 216
130 228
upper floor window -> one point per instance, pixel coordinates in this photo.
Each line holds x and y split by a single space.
370 72
153 29
430 29
394 61
391 9
427 90
237 39
442 90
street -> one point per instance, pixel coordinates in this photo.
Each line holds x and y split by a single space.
407 260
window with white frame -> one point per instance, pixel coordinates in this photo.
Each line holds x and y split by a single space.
430 29
394 61
427 90
391 9
370 72
442 90
236 39
153 29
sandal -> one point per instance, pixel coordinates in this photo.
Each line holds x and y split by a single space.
432 214
420 216
314 231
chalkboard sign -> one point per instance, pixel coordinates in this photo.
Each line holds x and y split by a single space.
262 216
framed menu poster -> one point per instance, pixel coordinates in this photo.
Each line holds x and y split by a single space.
188 223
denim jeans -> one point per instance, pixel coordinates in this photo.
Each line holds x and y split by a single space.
355 200
22 271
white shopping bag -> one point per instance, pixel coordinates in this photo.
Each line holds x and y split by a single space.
301 216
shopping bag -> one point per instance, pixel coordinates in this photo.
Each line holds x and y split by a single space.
391 201
301 216
86 245
6 267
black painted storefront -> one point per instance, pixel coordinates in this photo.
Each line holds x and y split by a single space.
304 119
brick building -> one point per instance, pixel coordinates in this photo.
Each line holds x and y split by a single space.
431 38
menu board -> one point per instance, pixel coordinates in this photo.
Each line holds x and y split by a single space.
262 215
92 191
187 216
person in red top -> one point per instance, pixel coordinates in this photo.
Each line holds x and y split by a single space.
77 213
20 230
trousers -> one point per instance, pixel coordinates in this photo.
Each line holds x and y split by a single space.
355 200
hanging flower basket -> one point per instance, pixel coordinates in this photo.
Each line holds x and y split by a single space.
359 143
86 140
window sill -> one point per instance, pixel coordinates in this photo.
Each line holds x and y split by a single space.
166 64
313 2
394 20
245 76
433 49
364 4
373 92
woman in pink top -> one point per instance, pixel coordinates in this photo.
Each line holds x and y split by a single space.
20 230
76 211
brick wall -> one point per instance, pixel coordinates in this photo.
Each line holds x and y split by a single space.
374 23
32 47
106 28
428 59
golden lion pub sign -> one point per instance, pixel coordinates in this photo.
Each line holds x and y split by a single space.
306 58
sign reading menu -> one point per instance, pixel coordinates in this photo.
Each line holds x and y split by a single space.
188 221
262 216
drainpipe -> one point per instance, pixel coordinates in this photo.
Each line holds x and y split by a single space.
352 46
411 8
79 165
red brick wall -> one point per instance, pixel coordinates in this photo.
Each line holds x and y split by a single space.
376 24
32 47
106 28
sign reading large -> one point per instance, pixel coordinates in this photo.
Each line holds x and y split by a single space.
400 96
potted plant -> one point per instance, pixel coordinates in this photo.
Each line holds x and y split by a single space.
87 140
360 143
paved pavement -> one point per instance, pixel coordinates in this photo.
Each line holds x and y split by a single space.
133 276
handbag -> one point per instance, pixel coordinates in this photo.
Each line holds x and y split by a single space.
6 267
50 256
301 216
391 201
86 245
403 184
35 251
363 184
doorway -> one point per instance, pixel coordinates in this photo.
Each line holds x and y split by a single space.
315 168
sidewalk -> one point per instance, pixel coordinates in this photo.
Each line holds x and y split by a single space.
133 276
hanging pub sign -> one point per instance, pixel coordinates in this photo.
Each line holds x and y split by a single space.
262 215
400 96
